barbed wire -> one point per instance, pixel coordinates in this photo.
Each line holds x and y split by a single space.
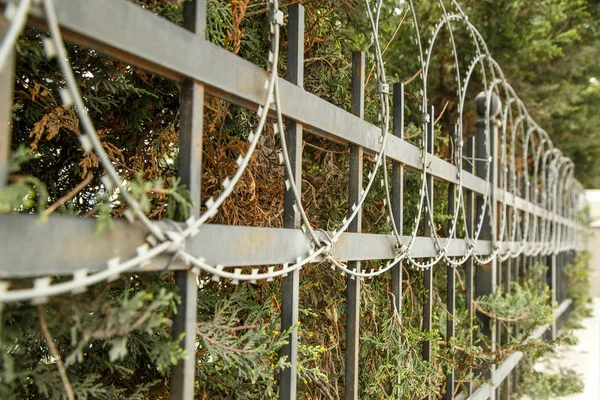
556 193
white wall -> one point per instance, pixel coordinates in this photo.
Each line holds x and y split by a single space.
594 246
593 197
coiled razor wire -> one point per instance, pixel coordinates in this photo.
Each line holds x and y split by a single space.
557 193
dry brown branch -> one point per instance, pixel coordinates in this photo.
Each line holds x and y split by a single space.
442 112
412 78
501 319
55 354
387 45
68 196
324 58
329 151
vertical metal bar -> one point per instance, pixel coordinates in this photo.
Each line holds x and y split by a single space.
506 278
525 259
7 79
469 265
485 276
183 375
561 266
450 271
565 263
290 285
428 273
531 191
353 284
398 196
498 324
567 260
506 329
190 171
564 281
398 190
551 263
572 255
559 257
515 374
560 286
571 259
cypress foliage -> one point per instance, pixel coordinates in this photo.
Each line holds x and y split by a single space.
114 340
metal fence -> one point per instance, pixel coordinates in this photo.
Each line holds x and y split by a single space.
503 219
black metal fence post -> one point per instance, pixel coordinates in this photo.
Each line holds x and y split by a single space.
7 80
561 296
398 190
506 331
515 329
551 264
240 82
290 285
428 273
469 265
526 260
398 196
190 171
486 151
450 269
353 284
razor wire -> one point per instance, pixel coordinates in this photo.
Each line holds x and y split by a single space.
553 181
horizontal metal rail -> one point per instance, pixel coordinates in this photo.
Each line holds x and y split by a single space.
129 33
503 370
66 244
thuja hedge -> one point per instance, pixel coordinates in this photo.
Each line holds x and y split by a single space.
114 342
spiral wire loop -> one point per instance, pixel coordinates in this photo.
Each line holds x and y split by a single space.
550 222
